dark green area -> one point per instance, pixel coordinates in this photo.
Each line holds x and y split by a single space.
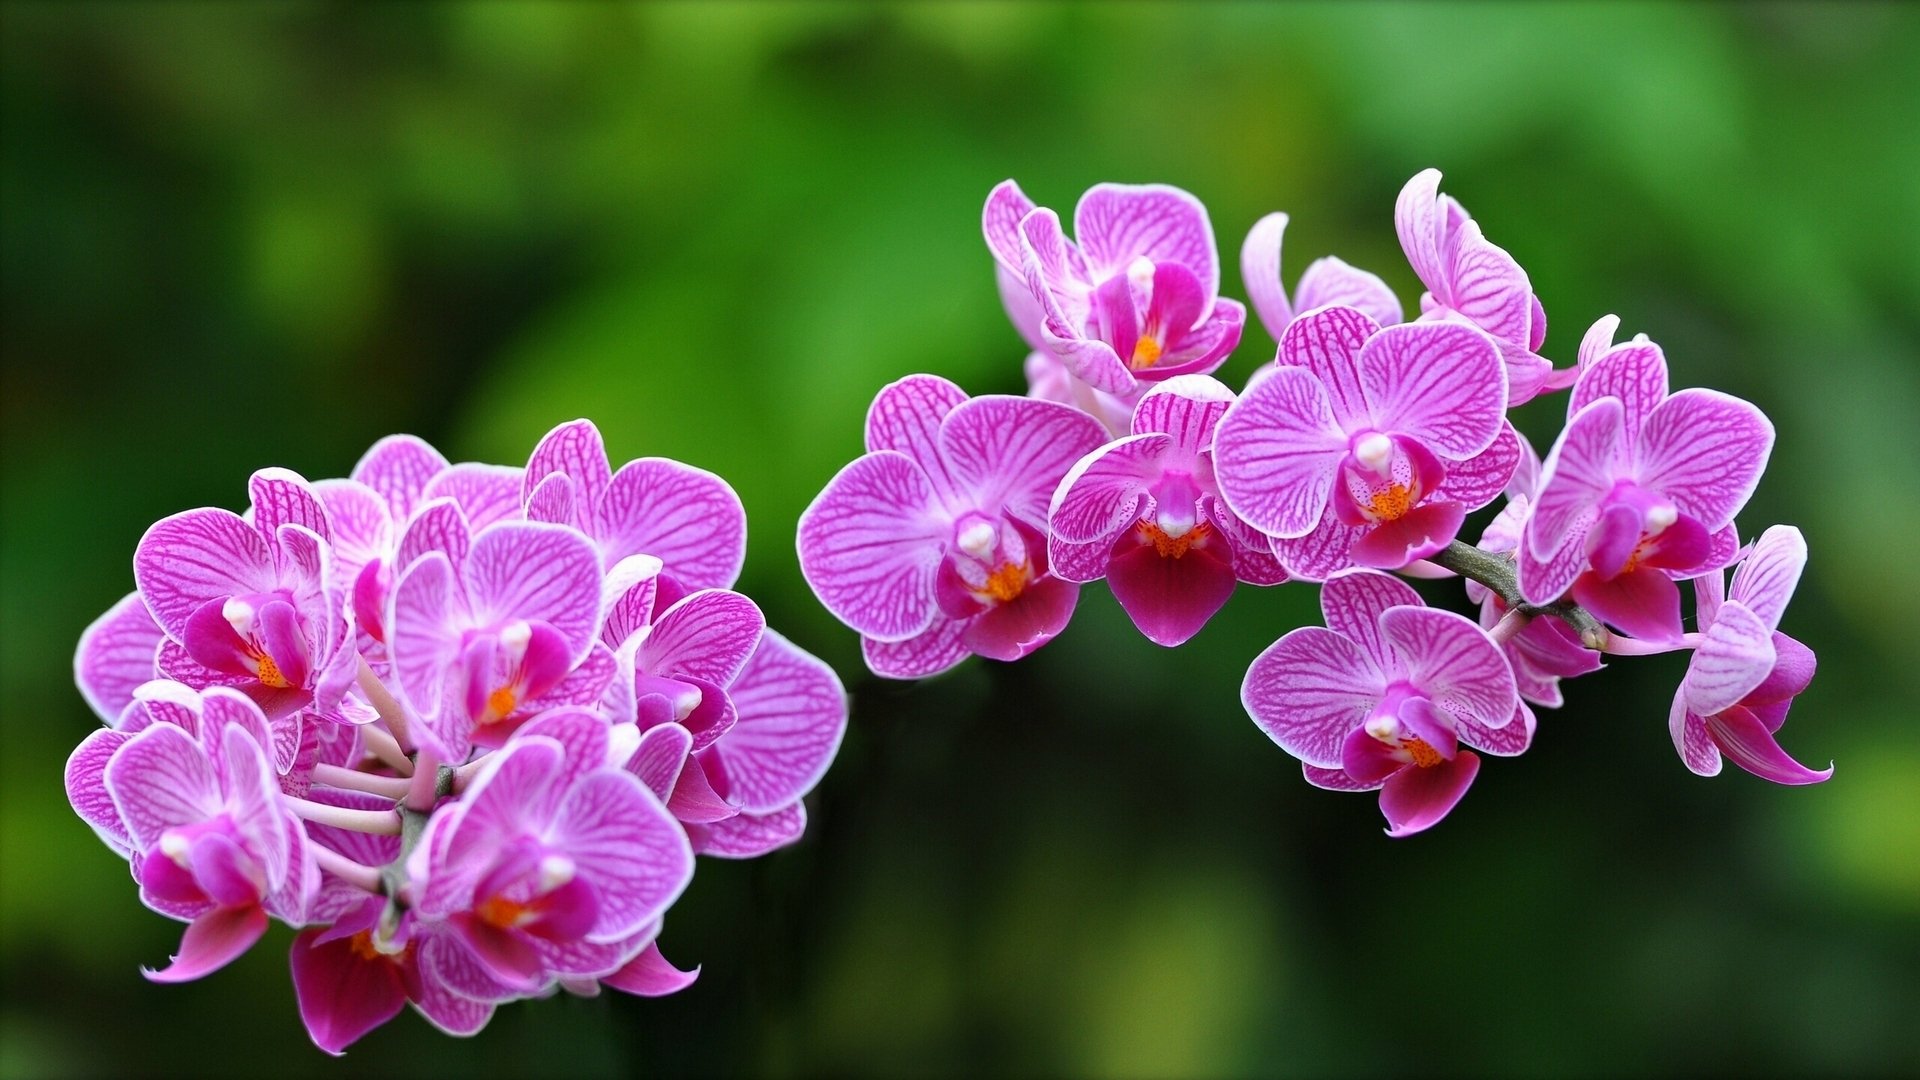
236 236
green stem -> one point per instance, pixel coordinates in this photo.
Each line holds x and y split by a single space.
393 876
1496 572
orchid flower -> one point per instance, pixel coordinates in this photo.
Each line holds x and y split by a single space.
1745 673
1328 282
933 545
1471 280
1145 513
1134 298
1384 695
1640 488
1367 446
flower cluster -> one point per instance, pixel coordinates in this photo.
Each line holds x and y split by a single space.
1355 456
464 725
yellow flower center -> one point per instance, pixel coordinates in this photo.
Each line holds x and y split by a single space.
1006 583
1146 352
269 674
500 704
1424 755
1391 504
505 914
1173 547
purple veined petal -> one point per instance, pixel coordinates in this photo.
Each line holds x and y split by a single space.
1439 382
1054 271
662 753
576 451
1579 471
1309 689
165 702
1480 479
362 525
161 779
1745 740
584 736
622 840
1330 282
211 942
1352 603
552 501
1735 656
792 714
1489 288
1705 450
749 836
342 995
1542 581
1170 599
1416 799
1186 407
650 974
695 801
1417 217
1644 603
1023 310
1079 562
1204 348
253 798
935 650
1764 581
515 793
1091 361
1597 341
1793 669
87 786
1723 549
283 497
1260 270
399 467
688 518
1011 452
195 556
115 656
906 416
1118 223
498 961
422 636
1000 224
1178 303
708 634
628 594
529 570
1334 779
486 493
1691 739
871 543
1276 452
1635 372
1509 741
1322 553
222 707
1526 474
1327 342
439 525
1106 491
1412 536
1016 628
1117 318
1453 662
1253 558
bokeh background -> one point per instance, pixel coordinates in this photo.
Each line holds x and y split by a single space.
240 235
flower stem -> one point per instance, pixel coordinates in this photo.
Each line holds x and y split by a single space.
381 744
377 822
392 787
1496 573
382 700
1621 646
1514 621
393 876
359 875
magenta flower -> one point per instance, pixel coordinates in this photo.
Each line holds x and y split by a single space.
1471 280
116 656
548 867
198 810
1640 488
1145 513
1328 282
251 602
1745 674
687 518
1384 696
1367 446
1049 380
933 544
488 638
1135 299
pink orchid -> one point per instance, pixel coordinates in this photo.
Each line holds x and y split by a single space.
482 639
1384 696
252 602
116 656
1135 299
1145 513
1328 282
1049 380
933 544
548 867
1367 446
196 806
1471 280
688 518
1745 673
1639 489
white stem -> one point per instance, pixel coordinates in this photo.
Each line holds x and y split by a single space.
376 822
382 700
359 875
392 787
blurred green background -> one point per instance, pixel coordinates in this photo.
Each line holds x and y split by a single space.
240 235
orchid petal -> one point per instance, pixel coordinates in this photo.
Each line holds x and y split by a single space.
906 416
938 648
399 467
1187 407
1118 223
1747 743
486 493
1480 479
1418 533
1335 779
1596 342
1170 599
1489 288
1735 656
1766 578
1352 603
708 635
1705 450
1691 739
1309 689
686 517
187 559
211 942
1330 281
623 841
115 656
1322 553
1260 271
792 714
749 836
1579 471
1635 372
1644 603
1104 491
629 590
1417 218
1016 628
87 785
342 995
1327 342
576 451
1012 452
1276 452
532 570
1453 662
159 780
871 543
1415 799
1441 383
1000 223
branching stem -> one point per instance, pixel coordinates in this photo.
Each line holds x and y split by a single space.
1496 572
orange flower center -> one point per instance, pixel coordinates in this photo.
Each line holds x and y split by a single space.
269 674
1424 755
364 948
500 704
1146 351
1007 582
505 914
1173 547
1392 503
